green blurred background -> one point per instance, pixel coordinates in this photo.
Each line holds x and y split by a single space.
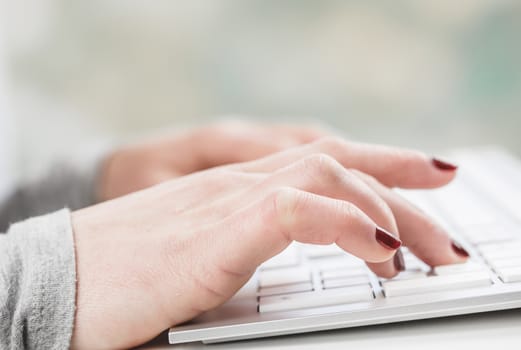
431 74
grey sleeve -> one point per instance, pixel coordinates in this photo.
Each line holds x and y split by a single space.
66 185
37 283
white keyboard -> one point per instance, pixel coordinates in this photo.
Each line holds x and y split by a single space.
310 288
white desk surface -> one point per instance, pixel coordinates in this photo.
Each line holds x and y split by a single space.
492 331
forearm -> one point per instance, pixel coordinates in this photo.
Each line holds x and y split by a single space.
37 279
64 186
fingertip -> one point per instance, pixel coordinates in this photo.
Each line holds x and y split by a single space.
447 253
441 172
386 269
391 267
415 169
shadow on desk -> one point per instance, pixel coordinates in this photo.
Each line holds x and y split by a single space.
477 331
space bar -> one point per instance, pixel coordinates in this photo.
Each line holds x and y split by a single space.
316 299
394 288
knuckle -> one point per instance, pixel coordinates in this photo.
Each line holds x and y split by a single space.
388 216
386 219
319 160
286 203
371 180
323 167
348 211
385 215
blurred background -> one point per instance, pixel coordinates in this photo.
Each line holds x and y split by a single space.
432 74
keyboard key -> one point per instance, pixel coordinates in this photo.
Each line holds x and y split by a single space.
286 289
510 274
344 273
496 232
316 299
502 250
436 283
287 258
498 180
345 282
469 266
270 278
409 274
339 263
498 264
501 254
464 206
322 251
414 263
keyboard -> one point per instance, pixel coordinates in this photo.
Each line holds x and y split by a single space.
312 288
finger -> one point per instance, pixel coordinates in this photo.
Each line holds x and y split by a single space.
424 237
268 226
237 141
324 176
394 167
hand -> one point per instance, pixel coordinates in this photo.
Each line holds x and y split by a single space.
140 166
161 256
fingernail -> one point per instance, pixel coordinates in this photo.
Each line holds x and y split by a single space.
387 239
399 262
443 165
459 250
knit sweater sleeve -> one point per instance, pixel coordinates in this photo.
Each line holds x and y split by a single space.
37 263
37 283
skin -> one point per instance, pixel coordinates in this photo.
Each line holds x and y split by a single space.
161 256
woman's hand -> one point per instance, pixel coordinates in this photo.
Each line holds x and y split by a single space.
139 166
161 256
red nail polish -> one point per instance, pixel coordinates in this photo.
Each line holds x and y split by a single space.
399 261
387 239
443 165
459 250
